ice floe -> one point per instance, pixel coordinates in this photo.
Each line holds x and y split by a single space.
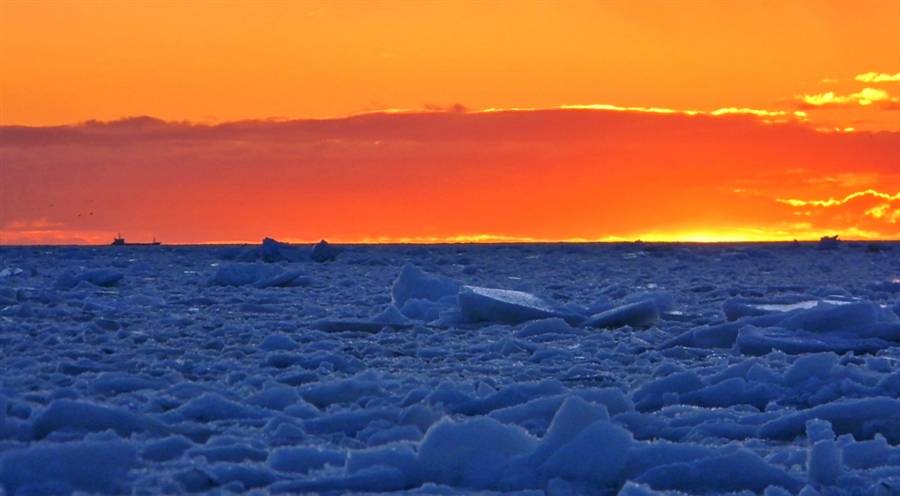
622 369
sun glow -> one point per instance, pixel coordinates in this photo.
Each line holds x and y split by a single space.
712 236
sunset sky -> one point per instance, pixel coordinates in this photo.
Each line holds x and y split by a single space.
211 122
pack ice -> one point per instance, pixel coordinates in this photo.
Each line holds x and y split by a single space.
626 369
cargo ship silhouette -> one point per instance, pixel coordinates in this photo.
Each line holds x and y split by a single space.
120 241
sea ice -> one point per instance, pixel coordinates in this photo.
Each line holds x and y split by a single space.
324 252
413 283
209 370
640 314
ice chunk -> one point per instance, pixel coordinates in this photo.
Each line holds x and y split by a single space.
829 242
753 340
597 455
737 471
271 251
573 416
544 408
819 430
342 391
664 302
547 326
163 450
412 283
194 480
733 391
720 335
824 465
69 414
862 326
118 383
471 454
886 286
644 456
428 311
808 366
101 277
860 417
91 466
304 459
866 454
324 252
853 317
211 407
278 341
505 306
511 395
287 279
274 398
740 307
641 314
398 456
736 308
650 395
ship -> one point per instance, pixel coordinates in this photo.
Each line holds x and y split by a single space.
120 241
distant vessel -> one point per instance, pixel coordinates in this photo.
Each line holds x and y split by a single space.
120 241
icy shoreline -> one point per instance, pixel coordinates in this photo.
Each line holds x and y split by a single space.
632 369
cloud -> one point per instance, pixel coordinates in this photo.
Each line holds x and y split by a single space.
869 77
875 77
456 107
781 114
832 202
543 174
759 113
868 211
866 96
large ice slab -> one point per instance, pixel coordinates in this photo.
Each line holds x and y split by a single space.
413 283
862 326
738 471
753 340
861 417
640 314
505 306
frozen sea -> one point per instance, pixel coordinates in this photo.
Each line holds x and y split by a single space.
625 369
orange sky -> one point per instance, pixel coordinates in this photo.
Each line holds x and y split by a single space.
254 133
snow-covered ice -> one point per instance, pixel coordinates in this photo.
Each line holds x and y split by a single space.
627 369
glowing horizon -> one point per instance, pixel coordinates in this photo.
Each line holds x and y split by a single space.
387 158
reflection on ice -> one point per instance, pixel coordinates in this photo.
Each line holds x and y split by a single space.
804 305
